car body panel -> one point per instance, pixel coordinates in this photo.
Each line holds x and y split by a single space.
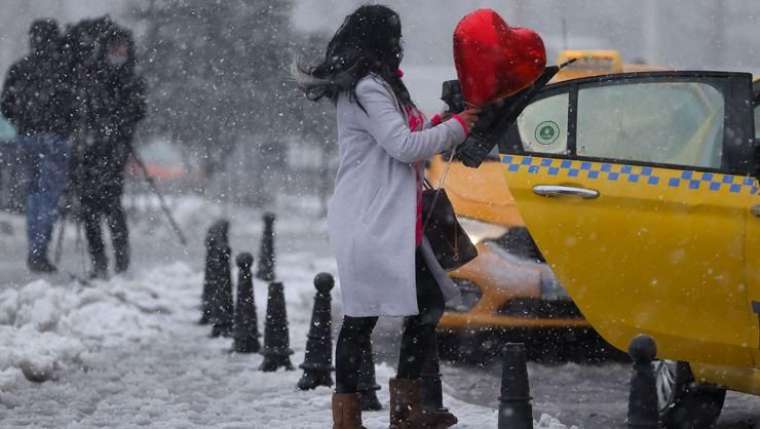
700 242
588 62
740 379
596 62
480 320
660 242
752 247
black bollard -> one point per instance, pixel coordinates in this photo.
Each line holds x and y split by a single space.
216 240
265 269
515 410
643 410
223 308
246 333
368 386
317 363
276 334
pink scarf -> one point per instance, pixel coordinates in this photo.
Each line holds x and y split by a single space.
416 123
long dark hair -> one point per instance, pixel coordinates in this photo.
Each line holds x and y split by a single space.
368 41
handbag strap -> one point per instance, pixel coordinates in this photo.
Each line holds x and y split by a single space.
446 169
426 184
441 183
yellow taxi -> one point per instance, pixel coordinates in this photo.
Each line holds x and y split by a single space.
508 287
645 202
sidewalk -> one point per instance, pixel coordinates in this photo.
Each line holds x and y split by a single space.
128 353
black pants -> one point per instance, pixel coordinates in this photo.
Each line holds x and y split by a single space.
106 205
419 346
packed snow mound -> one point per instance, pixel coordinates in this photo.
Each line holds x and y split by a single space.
47 327
548 422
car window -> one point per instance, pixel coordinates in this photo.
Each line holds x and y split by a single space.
757 122
543 125
679 123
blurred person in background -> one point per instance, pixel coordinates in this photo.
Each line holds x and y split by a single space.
112 102
38 101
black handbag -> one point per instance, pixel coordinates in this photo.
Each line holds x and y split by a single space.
451 244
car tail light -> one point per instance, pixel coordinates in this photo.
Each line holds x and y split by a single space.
470 296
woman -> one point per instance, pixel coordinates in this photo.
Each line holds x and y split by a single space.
386 268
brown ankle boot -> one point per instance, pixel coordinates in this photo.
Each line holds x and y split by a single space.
407 411
347 414
402 395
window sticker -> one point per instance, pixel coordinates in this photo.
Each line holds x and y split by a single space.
547 132
542 126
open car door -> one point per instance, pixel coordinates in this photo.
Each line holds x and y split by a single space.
638 188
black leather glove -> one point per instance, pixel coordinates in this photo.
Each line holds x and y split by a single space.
495 121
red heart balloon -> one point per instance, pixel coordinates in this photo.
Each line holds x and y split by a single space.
494 60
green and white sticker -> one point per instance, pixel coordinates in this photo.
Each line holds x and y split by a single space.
547 132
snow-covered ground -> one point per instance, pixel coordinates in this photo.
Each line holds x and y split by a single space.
128 353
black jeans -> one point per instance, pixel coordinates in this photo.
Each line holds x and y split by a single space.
106 205
419 346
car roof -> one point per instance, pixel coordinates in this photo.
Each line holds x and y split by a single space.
651 73
596 62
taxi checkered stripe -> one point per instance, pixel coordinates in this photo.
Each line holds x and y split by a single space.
688 179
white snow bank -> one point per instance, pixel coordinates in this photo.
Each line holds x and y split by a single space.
45 328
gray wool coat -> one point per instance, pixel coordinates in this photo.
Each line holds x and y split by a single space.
372 214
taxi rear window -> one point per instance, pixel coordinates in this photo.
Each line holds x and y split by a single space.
678 123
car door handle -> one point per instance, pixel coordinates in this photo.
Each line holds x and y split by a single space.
565 191
755 210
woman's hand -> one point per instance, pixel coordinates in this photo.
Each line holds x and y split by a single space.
470 117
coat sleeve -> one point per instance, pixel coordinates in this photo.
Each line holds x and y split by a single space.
137 105
140 103
8 99
134 112
386 125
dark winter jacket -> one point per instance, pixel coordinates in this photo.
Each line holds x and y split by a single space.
114 104
37 96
